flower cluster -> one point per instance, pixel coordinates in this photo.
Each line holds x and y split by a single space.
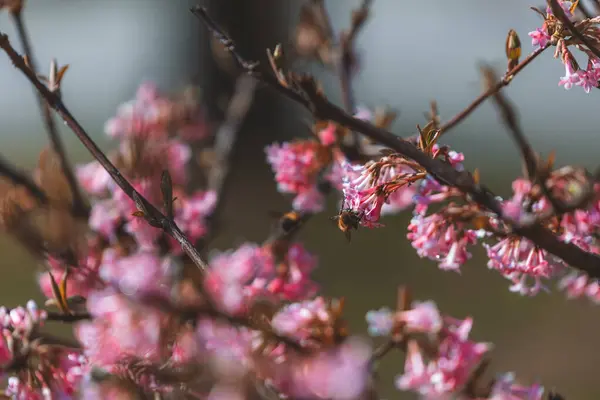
441 360
553 32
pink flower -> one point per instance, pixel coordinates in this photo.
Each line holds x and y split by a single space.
296 319
423 317
437 238
238 278
518 259
338 374
367 188
539 38
572 74
140 273
380 322
105 218
294 164
505 388
94 178
191 214
451 367
119 329
577 285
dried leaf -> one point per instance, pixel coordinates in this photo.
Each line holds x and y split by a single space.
52 180
313 32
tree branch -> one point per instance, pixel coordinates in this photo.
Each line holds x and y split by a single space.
152 214
80 207
310 97
224 143
490 91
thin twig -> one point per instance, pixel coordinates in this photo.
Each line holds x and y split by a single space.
321 108
560 14
80 207
224 143
345 65
60 317
534 172
490 91
20 178
209 311
153 215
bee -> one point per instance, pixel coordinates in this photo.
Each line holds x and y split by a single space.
348 220
289 221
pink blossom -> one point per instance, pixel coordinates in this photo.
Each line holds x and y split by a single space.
457 357
119 328
191 213
577 285
295 320
422 317
81 279
143 272
539 38
105 218
366 193
380 322
339 374
572 74
239 277
518 259
437 238
94 178
505 388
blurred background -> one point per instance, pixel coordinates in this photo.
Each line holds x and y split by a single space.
410 53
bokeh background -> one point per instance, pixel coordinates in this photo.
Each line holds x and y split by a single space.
411 53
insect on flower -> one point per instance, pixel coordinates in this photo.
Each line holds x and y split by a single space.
348 220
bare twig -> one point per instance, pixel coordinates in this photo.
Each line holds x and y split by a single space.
530 158
346 63
490 91
152 214
509 117
60 317
20 178
80 207
193 313
560 14
224 143
306 94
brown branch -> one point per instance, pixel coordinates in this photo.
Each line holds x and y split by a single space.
224 143
195 312
560 14
346 63
530 158
60 317
490 91
152 214
80 207
509 117
311 98
20 178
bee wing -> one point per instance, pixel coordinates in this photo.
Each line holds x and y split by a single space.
348 235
